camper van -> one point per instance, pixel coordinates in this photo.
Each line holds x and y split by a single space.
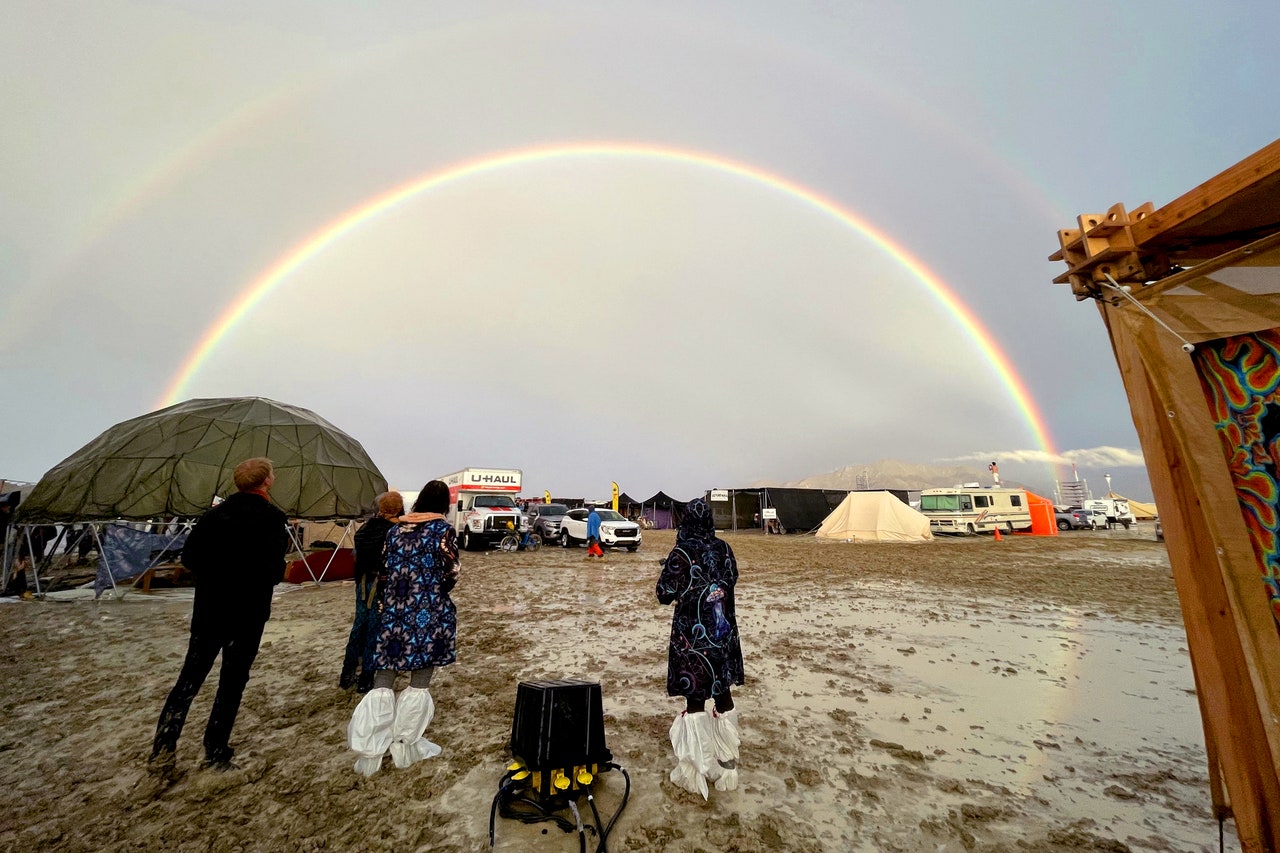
1113 510
975 509
482 505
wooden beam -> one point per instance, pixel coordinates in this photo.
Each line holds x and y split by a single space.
1236 718
1216 192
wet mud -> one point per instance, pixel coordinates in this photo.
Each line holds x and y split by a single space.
1030 694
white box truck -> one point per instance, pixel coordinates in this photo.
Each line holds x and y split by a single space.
973 509
482 505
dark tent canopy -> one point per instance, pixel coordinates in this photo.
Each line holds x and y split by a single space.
175 461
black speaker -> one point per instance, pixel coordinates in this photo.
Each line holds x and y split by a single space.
559 724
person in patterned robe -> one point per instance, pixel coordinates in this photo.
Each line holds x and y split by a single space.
704 655
416 632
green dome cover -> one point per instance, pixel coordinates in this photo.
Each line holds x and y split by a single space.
173 462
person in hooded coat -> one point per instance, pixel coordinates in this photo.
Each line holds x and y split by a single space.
416 632
704 655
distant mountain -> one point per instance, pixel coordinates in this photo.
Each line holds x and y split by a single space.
893 474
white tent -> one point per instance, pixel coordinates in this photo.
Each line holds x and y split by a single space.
874 517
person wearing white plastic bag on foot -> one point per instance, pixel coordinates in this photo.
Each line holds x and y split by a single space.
416 632
704 655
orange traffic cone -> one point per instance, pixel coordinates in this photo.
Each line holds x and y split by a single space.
996 530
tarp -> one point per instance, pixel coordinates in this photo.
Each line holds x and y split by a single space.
874 517
173 462
326 565
129 551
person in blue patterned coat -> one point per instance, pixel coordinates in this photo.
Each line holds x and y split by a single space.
704 655
416 632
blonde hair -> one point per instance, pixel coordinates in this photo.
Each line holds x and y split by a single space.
390 503
252 473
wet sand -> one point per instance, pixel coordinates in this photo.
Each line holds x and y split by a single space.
1031 694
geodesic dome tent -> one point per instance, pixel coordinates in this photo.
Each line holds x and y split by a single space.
139 484
174 461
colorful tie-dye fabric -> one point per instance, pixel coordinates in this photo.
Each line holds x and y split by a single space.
704 654
419 623
1241 380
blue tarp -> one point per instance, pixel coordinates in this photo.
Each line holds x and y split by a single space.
128 552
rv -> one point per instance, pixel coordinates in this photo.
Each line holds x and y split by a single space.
1115 510
974 509
482 505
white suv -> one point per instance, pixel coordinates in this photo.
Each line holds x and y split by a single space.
615 531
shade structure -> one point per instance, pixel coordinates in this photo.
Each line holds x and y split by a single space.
874 517
1190 297
175 461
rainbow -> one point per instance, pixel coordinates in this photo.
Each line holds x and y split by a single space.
309 248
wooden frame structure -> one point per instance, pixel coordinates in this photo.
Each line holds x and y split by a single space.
1184 290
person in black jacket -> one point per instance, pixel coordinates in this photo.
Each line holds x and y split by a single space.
370 541
237 552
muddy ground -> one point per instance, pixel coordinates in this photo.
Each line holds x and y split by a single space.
965 694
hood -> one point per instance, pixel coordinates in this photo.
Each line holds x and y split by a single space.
697 525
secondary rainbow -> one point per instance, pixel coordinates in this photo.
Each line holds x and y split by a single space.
368 210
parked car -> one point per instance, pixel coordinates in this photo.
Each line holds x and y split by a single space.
1159 529
1073 519
544 520
615 530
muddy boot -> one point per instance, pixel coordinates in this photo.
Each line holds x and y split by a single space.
727 743
369 732
414 710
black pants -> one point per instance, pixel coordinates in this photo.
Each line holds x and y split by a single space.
724 703
239 646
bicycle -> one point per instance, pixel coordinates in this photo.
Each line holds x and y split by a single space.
516 541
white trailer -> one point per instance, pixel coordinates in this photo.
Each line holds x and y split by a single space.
1116 510
482 505
973 509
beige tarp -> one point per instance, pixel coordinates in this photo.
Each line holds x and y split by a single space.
874 517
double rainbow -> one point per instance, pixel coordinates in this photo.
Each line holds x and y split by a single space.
247 299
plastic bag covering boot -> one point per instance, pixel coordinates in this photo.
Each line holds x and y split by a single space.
414 710
369 732
705 727
690 771
727 744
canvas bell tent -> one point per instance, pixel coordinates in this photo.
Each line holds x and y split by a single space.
1190 296
874 517
170 465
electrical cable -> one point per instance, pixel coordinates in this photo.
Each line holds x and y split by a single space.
529 810
582 835
626 794
591 801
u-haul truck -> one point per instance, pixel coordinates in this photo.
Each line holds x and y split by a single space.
482 505
973 509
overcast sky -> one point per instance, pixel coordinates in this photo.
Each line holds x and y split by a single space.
655 321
